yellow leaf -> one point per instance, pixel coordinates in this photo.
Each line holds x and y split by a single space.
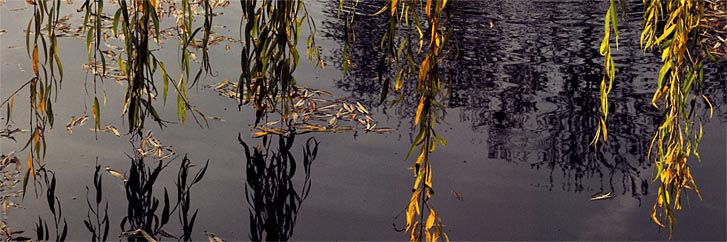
35 59
393 7
430 219
428 8
116 174
654 218
113 130
30 165
419 110
422 157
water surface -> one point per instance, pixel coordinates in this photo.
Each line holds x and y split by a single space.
520 118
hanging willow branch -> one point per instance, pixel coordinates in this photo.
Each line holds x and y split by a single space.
674 27
679 87
270 54
415 53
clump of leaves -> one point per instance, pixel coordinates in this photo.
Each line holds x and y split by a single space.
679 87
10 169
673 27
270 55
424 23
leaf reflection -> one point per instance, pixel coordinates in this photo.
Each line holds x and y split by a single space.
270 192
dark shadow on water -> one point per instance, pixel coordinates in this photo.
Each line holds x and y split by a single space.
271 193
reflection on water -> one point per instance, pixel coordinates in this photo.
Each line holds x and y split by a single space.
58 221
147 213
526 78
98 224
527 74
271 194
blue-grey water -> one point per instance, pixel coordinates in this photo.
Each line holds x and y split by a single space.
520 117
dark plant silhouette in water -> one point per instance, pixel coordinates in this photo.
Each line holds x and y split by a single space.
270 192
96 224
142 214
54 205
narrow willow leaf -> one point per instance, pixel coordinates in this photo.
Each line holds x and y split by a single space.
35 59
96 112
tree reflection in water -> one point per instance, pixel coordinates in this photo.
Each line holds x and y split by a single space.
273 199
533 88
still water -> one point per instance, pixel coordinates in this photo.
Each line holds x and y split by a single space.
517 165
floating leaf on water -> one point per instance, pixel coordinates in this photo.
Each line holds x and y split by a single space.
348 107
382 130
69 125
457 196
116 174
215 118
109 53
222 84
81 121
212 237
164 233
332 121
607 195
361 108
113 130
299 103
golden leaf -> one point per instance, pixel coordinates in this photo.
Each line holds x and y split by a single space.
35 58
116 174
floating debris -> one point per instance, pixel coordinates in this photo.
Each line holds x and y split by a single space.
111 71
75 122
457 196
133 233
213 238
215 118
9 190
313 111
714 28
603 196
108 129
10 133
116 174
152 147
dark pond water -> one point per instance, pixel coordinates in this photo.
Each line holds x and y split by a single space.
517 166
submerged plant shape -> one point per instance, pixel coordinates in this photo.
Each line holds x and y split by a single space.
98 224
142 219
270 192
54 205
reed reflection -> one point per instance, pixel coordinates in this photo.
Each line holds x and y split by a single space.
271 193
58 221
147 212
